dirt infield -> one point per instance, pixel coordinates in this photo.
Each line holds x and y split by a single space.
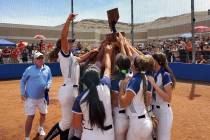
190 104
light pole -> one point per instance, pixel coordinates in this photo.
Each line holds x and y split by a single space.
72 24
193 30
132 27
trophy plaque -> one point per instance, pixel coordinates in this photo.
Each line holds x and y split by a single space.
113 17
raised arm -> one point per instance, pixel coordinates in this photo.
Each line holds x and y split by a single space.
120 43
86 56
133 50
65 47
107 61
101 53
127 48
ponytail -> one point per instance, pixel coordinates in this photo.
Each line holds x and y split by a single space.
97 113
168 69
53 55
96 108
144 87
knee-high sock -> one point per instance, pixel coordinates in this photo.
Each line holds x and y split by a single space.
53 132
64 134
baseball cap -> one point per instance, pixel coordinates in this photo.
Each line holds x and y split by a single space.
38 54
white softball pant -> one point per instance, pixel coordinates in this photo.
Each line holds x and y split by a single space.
165 117
97 134
139 128
66 97
120 124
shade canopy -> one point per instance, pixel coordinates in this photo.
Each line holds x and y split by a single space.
39 37
201 29
6 43
186 35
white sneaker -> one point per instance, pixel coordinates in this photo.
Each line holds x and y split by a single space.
41 131
27 138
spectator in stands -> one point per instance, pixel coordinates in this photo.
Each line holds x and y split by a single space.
173 58
188 50
6 55
201 60
14 55
24 56
1 61
41 46
30 48
49 47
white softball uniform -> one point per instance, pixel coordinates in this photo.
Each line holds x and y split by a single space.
140 125
119 115
95 133
69 91
161 108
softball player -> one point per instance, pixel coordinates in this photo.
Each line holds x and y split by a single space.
140 125
67 93
94 105
163 85
119 115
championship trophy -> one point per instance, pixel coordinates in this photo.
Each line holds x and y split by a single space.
113 16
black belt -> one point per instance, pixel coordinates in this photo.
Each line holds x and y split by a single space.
73 85
141 117
122 111
105 128
88 128
157 106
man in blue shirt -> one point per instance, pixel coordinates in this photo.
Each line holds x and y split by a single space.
36 80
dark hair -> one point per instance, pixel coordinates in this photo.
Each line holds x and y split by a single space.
97 113
122 61
83 67
53 55
162 61
122 66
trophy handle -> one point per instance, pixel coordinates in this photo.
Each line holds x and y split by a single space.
113 27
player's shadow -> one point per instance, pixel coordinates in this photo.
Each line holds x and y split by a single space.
192 92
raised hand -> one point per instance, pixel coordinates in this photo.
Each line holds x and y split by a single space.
151 80
108 49
72 16
120 39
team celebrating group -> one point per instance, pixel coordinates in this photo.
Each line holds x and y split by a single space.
113 92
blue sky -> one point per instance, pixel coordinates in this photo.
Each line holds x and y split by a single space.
54 12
